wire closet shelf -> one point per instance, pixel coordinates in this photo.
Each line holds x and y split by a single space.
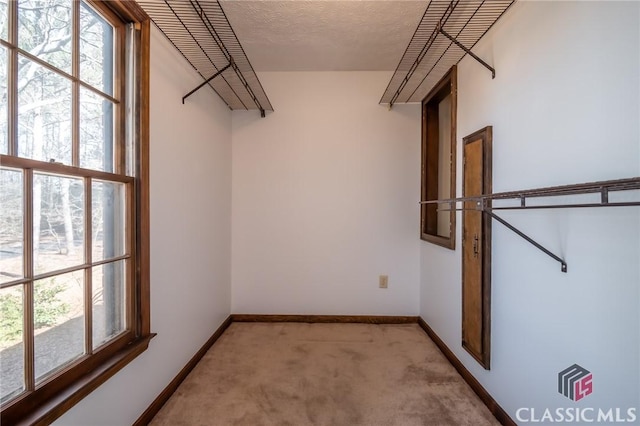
446 33
202 33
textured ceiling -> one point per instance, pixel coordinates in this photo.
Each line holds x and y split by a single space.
324 35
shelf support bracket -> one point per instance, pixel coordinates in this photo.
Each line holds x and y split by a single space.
207 81
563 264
469 52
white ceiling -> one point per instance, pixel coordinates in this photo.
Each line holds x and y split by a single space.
324 35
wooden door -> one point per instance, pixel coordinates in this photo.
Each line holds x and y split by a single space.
476 248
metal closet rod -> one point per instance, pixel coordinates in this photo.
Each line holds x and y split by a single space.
602 187
483 203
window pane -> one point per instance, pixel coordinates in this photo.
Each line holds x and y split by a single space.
4 102
108 228
44 30
11 225
4 19
96 50
96 132
44 113
108 301
444 164
58 222
11 342
58 321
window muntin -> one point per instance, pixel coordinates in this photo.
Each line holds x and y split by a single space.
68 259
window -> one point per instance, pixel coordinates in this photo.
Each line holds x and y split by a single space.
74 272
438 221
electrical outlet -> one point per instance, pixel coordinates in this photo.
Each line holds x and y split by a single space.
384 281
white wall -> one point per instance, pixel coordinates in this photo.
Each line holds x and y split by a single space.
565 108
190 239
325 194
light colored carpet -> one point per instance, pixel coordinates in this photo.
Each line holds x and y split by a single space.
324 374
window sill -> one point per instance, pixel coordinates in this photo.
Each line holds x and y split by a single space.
58 404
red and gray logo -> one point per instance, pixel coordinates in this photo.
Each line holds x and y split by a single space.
575 382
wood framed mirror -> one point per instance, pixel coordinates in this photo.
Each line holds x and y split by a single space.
476 247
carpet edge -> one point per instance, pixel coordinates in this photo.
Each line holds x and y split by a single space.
153 409
498 412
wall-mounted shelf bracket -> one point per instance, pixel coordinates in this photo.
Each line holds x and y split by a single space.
484 204
466 49
563 264
207 81
231 64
